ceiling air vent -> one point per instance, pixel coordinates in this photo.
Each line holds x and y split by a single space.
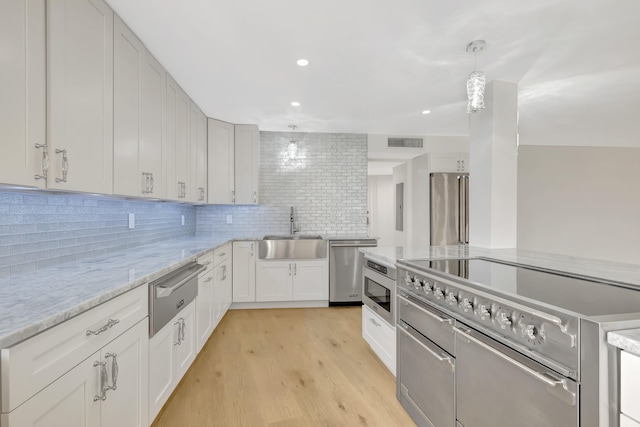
404 142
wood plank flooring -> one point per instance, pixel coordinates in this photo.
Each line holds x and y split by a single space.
286 368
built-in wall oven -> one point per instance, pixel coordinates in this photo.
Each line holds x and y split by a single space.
379 288
483 343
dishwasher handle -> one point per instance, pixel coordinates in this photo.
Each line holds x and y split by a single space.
352 244
168 287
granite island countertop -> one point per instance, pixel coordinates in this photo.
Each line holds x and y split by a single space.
611 271
627 340
33 302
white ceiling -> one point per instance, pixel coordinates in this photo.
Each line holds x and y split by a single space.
376 64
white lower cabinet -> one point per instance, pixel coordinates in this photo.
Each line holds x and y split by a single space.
629 389
109 389
292 280
205 312
171 352
380 336
244 271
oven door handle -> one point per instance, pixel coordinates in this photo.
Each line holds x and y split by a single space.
405 330
568 396
425 311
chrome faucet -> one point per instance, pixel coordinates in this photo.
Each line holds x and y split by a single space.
293 228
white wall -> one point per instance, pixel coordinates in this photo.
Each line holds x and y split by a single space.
381 209
580 201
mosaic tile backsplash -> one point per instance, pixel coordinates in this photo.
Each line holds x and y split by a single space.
325 182
38 230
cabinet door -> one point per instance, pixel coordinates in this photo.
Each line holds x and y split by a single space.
162 374
274 281
22 104
198 155
127 58
220 155
244 271
127 405
186 350
204 310
247 161
68 402
176 142
80 95
464 162
152 90
228 285
445 162
310 280
218 292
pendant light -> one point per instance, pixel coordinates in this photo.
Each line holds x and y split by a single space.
476 81
293 145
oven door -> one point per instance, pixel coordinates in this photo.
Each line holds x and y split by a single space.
378 293
496 386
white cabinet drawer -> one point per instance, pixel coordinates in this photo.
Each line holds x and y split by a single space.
207 261
30 366
630 385
381 337
221 254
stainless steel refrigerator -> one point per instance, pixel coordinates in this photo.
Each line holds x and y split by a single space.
449 208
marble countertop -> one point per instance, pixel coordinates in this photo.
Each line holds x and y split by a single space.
628 340
33 302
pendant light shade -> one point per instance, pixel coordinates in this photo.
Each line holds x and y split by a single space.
475 91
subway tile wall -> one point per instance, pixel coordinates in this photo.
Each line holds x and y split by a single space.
326 183
38 230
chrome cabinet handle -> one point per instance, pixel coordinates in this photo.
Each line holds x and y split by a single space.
251 250
145 190
233 196
110 324
182 327
255 196
103 379
151 182
372 320
295 268
114 371
178 342
462 165
289 269
224 272
200 193
208 279
45 161
65 165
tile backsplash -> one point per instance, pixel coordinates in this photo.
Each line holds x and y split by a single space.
325 182
38 230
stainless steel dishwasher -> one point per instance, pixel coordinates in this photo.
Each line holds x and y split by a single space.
345 270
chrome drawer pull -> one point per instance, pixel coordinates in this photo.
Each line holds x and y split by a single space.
208 279
406 302
372 320
65 165
114 371
110 324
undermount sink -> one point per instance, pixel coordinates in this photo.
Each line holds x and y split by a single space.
298 246
292 237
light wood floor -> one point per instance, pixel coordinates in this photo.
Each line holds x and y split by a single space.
286 368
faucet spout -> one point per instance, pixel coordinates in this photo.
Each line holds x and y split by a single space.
292 222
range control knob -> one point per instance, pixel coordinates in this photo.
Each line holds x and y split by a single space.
484 312
530 331
504 319
438 292
408 280
426 286
466 304
452 298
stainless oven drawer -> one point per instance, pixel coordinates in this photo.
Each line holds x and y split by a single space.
431 323
426 383
495 384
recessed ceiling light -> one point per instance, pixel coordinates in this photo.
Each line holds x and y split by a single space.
295 103
426 112
302 62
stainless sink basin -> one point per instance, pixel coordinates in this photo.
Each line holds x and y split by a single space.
298 246
292 237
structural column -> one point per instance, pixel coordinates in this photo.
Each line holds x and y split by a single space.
493 181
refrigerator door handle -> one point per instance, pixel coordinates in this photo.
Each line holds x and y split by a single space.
460 209
465 201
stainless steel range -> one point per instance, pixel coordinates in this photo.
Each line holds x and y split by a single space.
484 343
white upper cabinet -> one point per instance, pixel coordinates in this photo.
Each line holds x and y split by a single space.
247 164
139 84
449 162
198 155
80 95
176 142
221 138
22 104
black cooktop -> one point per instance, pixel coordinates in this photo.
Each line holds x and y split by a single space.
586 296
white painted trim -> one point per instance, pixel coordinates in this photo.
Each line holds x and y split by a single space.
279 304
